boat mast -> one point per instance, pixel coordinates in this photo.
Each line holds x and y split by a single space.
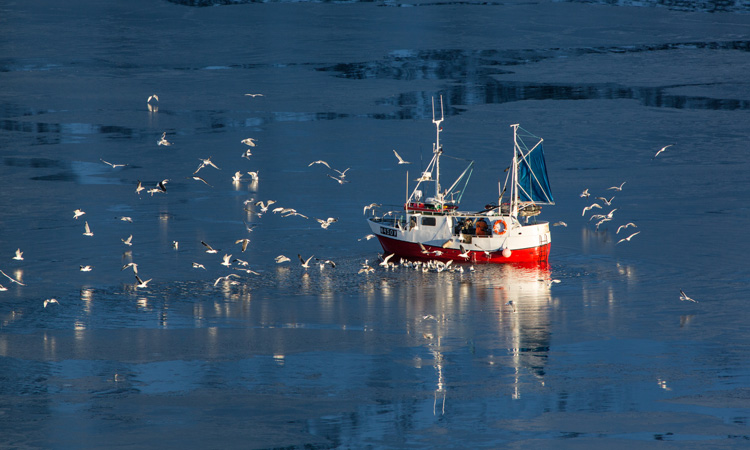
514 174
436 148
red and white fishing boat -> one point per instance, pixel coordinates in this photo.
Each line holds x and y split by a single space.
506 232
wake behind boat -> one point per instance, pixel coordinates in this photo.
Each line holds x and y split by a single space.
507 232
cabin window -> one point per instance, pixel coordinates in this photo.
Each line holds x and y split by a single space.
430 221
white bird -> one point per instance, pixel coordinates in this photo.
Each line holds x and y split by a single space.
162 185
464 253
370 206
341 174
128 241
282 259
628 238
87 231
324 224
305 263
237 177
78 213
585 193
175 245
320 161
19 255
125 219
11 278
247 154
254 176
226 278
340 180
152 97
114 166
3 288
163 140
253 95
244 243
131 264
661 150
249 141
205 162
209 249
323 263
50 301
609 214
606 202
623 227
560 224
141 283
227 260
264 206
684 297
198 266
385 260
367 238
400 159
249 227
85 268
511 304
197 178
139 188
617 188
593 205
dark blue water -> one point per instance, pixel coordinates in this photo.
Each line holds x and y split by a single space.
327 357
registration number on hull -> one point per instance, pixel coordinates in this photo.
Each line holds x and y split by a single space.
388 231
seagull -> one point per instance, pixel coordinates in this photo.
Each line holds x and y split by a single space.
593 205
606 202
162 185
197 178
511 304
253 95
340 180
209 249
367 238
198 266
305 263
264 206
226 278
342 174
88 230
50 301
293 213
227 260
585 193
125 219
141 283
163 140
282 259
400 159
366 268
139 188
684 297
249 141
323 263
175 245
249 228
464 253
114 166
128 240
370 206
85 268
3 288
152 97
78 213
205 162
247 154
384 262
324 224
11 278
131 264
628 238
244 243
661 150
609 214
560 224
623 227
254 176
19 255
617 188
424 249
319 162
237 177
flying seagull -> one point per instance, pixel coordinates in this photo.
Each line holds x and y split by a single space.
85 268
253 95
78 213
370 206
340 180
209 249
50 301
400 159
623 227
131 264
305 263
319 162
205 162
560 224
324 224
367 238
88 230
282 259
585 193
114 166
197 178
606 202
152 97
128 241
141 283
198 266
628 238
19 255
11 278
227 260
163 140
226 278
139 188
249 141
593 205
244 243
617 188
684 297
661 150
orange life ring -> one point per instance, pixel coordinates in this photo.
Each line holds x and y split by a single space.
499 227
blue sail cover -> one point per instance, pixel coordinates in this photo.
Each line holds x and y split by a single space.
532 176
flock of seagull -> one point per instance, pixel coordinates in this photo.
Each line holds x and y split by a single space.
337 175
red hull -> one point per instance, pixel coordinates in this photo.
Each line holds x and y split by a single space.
412 251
